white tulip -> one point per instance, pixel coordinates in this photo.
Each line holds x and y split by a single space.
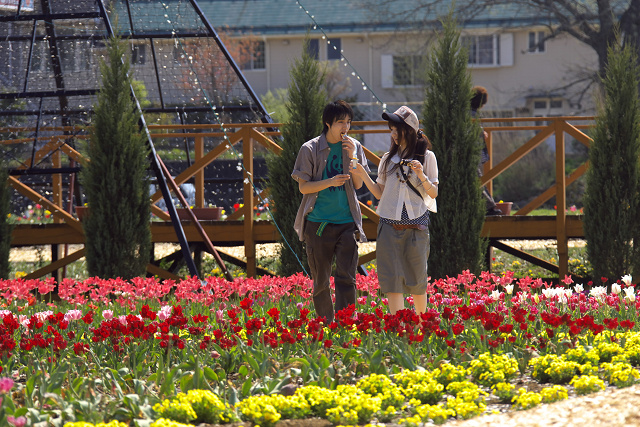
615 289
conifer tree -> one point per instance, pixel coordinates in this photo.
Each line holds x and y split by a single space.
612 196
455 229
5 226
306 101
118 235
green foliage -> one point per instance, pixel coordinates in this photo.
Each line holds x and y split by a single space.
115 180
455 229
306 102
5 226
276 105
612 197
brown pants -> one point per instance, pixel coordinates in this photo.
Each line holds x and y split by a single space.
337 240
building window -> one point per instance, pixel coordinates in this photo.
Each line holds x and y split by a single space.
334 47
314 49
540 104
138 52
555 103
483 50
257 60
408 70
536 41
547 107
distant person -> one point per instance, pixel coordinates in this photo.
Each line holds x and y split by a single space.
407 186
480 97
329 220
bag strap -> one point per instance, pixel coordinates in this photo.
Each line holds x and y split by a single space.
404 176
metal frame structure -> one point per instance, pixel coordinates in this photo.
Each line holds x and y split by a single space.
65 103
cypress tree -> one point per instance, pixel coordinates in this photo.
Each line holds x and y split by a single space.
118 235
306 101
455 229
612 196
5 226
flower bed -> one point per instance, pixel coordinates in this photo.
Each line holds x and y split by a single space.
145 351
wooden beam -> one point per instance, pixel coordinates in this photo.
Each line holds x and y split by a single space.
518 154
55 210
163 274
47 269
202 163
524 255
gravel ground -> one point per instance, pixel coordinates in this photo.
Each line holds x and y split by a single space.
609 408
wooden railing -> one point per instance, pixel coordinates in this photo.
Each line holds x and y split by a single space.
67 228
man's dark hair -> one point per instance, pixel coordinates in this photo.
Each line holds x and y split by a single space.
335 111
480 97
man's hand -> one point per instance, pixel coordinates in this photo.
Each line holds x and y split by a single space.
339 180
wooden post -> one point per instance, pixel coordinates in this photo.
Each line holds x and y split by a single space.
199 176
561 202
249 242
199 202
56 184
489 164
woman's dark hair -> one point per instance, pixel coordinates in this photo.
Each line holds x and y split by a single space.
335 111
479 98
417 145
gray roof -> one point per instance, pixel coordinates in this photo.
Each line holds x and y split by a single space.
271 17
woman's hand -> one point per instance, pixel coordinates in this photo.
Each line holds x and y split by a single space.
416 167
359 171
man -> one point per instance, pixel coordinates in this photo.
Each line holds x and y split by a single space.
479 98
329 220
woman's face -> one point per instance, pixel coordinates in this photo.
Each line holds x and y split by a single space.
395 136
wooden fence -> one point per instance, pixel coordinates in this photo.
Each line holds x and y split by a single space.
67 229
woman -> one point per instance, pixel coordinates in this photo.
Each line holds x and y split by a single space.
407 186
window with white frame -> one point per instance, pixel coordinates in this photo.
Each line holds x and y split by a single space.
537 41
547 107
403 70
257 60
483 50
489 50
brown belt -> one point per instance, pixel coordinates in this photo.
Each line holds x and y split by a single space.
408 226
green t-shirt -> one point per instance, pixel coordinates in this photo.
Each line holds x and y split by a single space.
332 204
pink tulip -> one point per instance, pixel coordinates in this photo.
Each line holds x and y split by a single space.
6 384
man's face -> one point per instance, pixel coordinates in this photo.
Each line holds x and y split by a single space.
337 129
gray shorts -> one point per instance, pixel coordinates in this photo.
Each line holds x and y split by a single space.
402 259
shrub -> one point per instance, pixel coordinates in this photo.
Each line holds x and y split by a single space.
5 226
456 143
117 230
612 197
